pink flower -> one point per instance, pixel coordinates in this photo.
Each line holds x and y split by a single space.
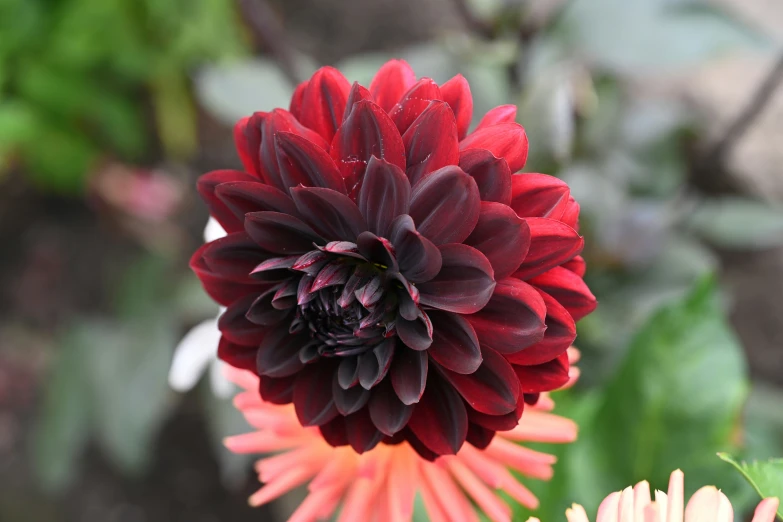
381 484
636 505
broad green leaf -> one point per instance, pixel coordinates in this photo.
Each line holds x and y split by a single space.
766 477
737 223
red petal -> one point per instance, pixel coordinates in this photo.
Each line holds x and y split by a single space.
506 422
243 197
313 406
238 356
456 92
233 257
247 141
418 257
440 420
301 162
539 195
207 185
355 95
431 141
237 329
277 391
278 354
334 432
220 288
464 284
500 114
330 213
413 103
513 319
387 412
391 81
492 174
560 333
367 132
409 374
455 345
577 265
323 102
385 194
569 289
552 243
571 215
296 100
280 233
502 237
493 389
543 377
445 205
504 140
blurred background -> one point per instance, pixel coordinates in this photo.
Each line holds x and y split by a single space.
664 116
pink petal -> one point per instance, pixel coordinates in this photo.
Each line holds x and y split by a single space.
489 502
766 510
543 427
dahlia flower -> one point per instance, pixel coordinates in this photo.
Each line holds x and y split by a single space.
386 271
380 484
708 504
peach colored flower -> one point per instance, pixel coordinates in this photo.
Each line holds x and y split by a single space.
380 485
708 504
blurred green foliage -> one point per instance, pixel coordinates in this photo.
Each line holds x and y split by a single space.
766 477
80 79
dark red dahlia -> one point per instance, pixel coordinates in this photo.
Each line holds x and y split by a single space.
386 271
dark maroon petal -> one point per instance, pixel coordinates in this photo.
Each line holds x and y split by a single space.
493 389
571 215
385 194
506 422
297 98
311 263
552 243
455 345
378 250
500 114
409 374
223 290
247 145
263 312
576 265
371 293
301 162
314 405
243 197
348 372
544 377
416 334
236 328
331 214
278 353
335 273
237 355
374 365
367 132
387 413
479 436
502 237
323 102
445 205
560 333
233 257
464 284
334 432
431 141
277 391
413 103
355 95
456 92
274 269
303 294
362 434
285 296
531 398
280 233
391 81
539 195
513 319
207 186
492 174
569 289
440 420
418 257
504 140
349 400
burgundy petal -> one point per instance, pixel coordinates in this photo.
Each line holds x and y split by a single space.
362 434
355 95
331 214
502 237
207 186
301 162
479 436
440 420
297 98
456 92
368 131
576 265
455 345
236 328
243 197
506 422
504 140
387 413
492 174
544 377
514 318
233 257
277 391
237 355
374 365
285 296
263 312
313 406
493 389
280 233
445 205
539 195
370 293
247 141
220 288
571 215
418 257
385 194
552 243
278 353
409 374
323 102
349 400
348 372
391 81
416 334
334 432
569 289
377 250
560 333
413 103
431 141
464 283
274 269
500 114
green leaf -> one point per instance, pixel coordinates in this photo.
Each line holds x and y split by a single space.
737 223
175 114
67 162
765 477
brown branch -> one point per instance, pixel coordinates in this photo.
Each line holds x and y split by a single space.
268 28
